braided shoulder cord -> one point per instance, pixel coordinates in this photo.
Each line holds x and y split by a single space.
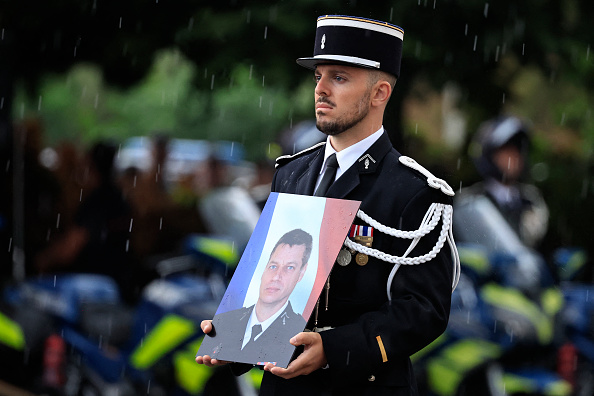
402 260
434 212
423 230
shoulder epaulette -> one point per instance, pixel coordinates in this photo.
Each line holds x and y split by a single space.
433 181
285 159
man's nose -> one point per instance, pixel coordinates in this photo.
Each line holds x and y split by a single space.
277 275
322 88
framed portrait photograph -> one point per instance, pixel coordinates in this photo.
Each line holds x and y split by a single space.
279 278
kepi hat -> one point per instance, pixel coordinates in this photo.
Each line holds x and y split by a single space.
356 41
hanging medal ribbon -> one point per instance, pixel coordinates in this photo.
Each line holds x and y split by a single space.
363 235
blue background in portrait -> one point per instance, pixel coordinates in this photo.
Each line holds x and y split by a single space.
238 287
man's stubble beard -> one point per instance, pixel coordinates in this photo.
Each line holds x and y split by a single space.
336 127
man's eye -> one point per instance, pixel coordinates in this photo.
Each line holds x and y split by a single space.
339 78
317 79
272 266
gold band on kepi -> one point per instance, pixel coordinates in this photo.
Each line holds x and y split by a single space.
355 41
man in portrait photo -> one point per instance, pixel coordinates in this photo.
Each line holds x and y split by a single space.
261 332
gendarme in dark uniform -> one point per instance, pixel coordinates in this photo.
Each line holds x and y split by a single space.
389 293
367 339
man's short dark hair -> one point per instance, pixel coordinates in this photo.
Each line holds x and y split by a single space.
296 237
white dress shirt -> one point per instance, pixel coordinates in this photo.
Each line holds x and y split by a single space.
254 321
347 157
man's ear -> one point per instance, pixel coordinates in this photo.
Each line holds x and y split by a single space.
381 93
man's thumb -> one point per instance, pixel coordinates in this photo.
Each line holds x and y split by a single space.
300 339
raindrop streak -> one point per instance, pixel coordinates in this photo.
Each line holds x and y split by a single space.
127 245
523 47
486 11
80 196
497 54
120 23
191 24
391 13
251 70
348 357
588 53
96 100
458 163
2 103
265 32
131 222
475 40
434 2
161 223
503 99
249 16
55 280
466 30
2 34
9 244
263 79
58 221
39 104
212 82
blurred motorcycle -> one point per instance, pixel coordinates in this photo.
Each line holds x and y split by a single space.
99 346
504 332
576 360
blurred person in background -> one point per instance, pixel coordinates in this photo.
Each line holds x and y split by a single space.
227 209
500 151
160 223
98 240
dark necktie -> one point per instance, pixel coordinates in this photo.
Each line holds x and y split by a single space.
329 175
256 329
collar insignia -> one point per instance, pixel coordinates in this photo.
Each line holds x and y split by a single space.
367 158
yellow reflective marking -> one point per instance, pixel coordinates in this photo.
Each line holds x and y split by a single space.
447 370
558 388
223 250
515 301
11 333
382 349
437 342
474 259
167 334
552 301
190 375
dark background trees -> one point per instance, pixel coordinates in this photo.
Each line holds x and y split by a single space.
530 57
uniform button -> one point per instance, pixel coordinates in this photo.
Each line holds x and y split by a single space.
371 378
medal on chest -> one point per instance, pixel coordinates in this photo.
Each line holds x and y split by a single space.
363 235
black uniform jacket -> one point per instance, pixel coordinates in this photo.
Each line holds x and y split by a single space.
271 346
362 319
